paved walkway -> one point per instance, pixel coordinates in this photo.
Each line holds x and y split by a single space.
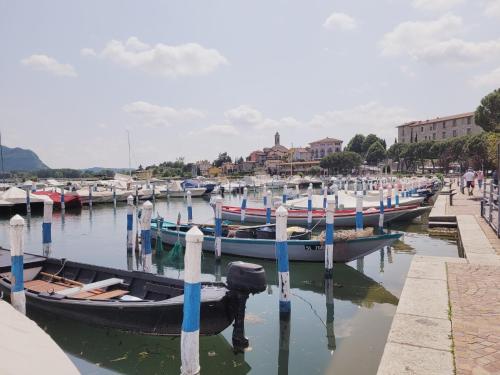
419 340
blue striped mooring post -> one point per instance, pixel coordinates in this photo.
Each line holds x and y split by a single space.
147 213
396 194
363 184
283 268
190 335
130 223
389 196
336 192
63 204
325 195
309 205
244 204
17 296
137 195
90 196
381 210
268 207
189 207
330 232
285 194
28 201
218 228
48 206
359 210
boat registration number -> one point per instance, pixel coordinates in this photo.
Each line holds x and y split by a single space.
314 247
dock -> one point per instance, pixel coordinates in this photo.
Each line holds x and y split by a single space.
27 347
448 317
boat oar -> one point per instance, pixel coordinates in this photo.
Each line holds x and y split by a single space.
62 279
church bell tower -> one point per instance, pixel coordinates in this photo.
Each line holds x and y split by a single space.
277 139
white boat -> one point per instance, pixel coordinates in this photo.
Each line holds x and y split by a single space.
17 196
175 190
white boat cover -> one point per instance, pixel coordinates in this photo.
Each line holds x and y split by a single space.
15 195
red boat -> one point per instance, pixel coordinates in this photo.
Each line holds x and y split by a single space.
70 200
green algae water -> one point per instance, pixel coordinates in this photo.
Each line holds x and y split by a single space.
345 335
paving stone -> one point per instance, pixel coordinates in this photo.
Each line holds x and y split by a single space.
424 297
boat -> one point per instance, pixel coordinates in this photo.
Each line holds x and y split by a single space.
199 183
71 200
343 218
174 189
248 242
131 301
17 198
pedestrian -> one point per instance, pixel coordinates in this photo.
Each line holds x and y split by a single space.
469 180
480 178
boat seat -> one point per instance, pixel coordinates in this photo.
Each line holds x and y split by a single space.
87 287
42 286
108 295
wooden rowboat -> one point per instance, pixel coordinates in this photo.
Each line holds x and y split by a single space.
129 300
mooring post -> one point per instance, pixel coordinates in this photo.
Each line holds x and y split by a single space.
154 194
359 210
147 213
244 204
113 188
309 205
381 210
284 345
336 192
363 184
63 204
17 296
389 196
218 228
282 250
190 335
130 223
28 201
90 196
285 194
330 232
325 195
264 196
268 207
297 191
330 315
189 207
136 195
48 206
396 194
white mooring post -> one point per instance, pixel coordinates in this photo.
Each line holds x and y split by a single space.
244 204
90 196
154 194
147 213
130 223
396 194
297 191
190 335
285 194
136 195
325 195
282 254
268 207
48 206
389 196
309 205
330 230
63 204
381 210
17 296
218 228
28 201
359 210
189 207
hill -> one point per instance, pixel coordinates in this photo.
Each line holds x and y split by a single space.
20 159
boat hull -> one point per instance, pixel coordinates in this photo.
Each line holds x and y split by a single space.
298 250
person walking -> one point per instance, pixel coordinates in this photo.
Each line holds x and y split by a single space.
469 177
480 178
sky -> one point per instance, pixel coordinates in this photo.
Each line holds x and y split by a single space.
195 78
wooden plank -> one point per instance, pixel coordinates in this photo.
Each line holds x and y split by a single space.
41 286
91 286
111 294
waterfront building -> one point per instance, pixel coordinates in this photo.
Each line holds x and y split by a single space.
438 129
204 167
300 154
324 147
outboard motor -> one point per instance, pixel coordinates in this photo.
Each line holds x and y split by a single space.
242 280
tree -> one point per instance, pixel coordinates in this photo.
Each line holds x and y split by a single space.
343 162
371 139
221 159
395 152
356 144
487 114
375 154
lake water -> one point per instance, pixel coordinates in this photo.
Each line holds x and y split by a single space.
346 337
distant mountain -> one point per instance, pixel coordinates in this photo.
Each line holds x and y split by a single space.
20 159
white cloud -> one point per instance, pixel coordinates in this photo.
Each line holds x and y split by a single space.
437 41
48 64
155 115
372 117
161 59
407 71
490 79
436 5
247 116
340 21
492 8
87 52
224 130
